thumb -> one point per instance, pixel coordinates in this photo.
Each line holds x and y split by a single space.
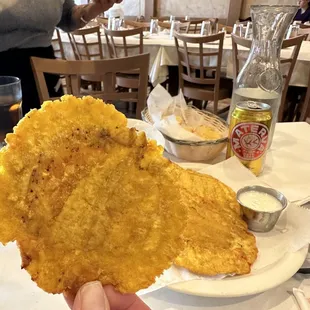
91 296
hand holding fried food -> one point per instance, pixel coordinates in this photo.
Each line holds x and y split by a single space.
83 196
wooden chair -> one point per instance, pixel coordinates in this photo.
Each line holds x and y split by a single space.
57 45
195 25
102 21
229 29
305 30
237 57
118 47
293 42
135 24
305 106
105 69
59 54
198 80
296 44
85 49
167 18
166 25
121 47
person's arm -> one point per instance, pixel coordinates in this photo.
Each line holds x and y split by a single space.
77 16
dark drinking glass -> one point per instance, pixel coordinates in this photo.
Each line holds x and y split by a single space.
10 105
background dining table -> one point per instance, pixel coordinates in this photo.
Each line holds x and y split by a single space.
164 54
288 162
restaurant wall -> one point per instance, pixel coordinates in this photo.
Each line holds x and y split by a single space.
247 4
133 7
197 8
130 7
225 10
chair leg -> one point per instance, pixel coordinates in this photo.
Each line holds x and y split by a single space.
132 106
215 106
197 104
305 107
173 86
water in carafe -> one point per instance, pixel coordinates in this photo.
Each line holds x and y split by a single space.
260 79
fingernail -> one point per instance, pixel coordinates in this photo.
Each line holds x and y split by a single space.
91 296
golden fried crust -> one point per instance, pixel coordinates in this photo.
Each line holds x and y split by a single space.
217 238
83 196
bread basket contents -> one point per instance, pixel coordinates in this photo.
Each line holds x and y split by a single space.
87 198
190 134
205 132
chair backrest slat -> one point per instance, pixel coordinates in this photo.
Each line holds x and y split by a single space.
305 108
103 70
296 44
57 45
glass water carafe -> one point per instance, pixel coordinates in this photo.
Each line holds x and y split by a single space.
260 79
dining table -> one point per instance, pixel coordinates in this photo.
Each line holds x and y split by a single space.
163 54
287 168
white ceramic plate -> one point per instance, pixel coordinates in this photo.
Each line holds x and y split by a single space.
264 276
255 283
260 280
150 131
268 272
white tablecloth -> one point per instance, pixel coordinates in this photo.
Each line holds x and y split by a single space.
163 54
19 293
287 165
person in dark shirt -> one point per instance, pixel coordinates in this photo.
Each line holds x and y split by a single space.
26 30
303 14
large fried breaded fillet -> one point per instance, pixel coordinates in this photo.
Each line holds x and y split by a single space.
88 199
217 238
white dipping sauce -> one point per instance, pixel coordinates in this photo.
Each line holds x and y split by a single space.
260 201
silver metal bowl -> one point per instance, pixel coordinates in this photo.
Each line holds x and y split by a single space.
261 221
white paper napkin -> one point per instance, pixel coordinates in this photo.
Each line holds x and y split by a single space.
302 295
288 161
164 111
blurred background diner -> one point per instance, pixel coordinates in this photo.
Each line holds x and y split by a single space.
26 30
303 13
